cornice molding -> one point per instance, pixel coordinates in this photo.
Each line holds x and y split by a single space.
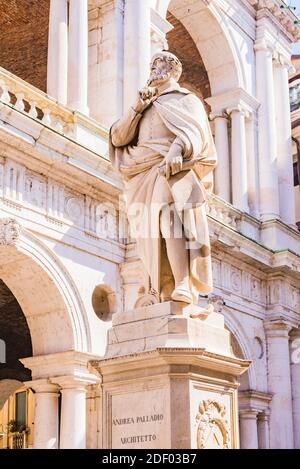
233 99
285 18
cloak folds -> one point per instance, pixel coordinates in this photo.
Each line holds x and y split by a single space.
147 191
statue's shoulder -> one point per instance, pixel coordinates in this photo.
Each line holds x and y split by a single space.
183 98
191 99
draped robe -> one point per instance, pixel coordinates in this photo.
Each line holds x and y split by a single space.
138 145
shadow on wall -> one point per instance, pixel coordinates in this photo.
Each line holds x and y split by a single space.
15 340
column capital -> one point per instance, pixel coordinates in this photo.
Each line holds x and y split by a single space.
69 363
278 327
264 416
42 386
218 115
263 44
239 109
283 62
249 413
255 400
75 382
295 333
231 99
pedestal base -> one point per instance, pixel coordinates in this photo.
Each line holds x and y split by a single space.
169 324
169 381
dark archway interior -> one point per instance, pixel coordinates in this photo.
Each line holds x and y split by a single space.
24 39
194 76
14 332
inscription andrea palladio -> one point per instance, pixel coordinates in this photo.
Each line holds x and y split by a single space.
142 419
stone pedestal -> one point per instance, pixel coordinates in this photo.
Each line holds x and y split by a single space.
169 380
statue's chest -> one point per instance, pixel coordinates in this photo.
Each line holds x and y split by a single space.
152 127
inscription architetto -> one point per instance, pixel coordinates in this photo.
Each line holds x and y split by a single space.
138 420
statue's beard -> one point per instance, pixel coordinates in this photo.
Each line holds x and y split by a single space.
158 78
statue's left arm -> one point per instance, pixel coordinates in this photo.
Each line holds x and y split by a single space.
187 119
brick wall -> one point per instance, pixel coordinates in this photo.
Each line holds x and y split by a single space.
24 39
194 76
15 333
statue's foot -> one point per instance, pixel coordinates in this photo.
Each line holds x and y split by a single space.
181 294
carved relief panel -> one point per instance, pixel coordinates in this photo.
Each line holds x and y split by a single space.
213 431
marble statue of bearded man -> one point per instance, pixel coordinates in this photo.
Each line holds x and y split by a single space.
164 150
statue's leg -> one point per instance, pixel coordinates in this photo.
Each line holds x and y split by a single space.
178 255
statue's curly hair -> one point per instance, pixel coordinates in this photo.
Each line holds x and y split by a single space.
172 60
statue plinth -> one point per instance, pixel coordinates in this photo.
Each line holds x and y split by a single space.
169 324
170 380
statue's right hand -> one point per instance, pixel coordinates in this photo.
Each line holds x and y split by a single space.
144 99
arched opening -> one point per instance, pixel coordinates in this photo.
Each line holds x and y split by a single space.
206 25
15 334
194 75
44 308
47 295
253 404
237 351
16 403
24 39
16 415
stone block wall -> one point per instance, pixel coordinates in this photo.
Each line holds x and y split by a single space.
24 39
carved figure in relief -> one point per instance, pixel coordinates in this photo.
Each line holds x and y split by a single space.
10 231
213 430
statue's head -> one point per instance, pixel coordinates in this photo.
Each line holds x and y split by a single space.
164 66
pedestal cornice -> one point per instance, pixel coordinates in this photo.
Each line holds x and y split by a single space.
162 356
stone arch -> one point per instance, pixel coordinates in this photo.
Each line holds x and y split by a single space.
194 76
44 290
7 388
15 335
206 24
242 348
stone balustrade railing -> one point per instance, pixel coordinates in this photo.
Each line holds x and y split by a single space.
230 217
223 212
37 105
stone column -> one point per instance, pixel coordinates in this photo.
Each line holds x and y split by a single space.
263 430
45 414
73 413
248 429
137 48
268 176
78 56
284 144
57 68
222 171
279 383
252 164
239 159
295 373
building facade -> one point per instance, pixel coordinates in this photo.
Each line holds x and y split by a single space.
68 70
